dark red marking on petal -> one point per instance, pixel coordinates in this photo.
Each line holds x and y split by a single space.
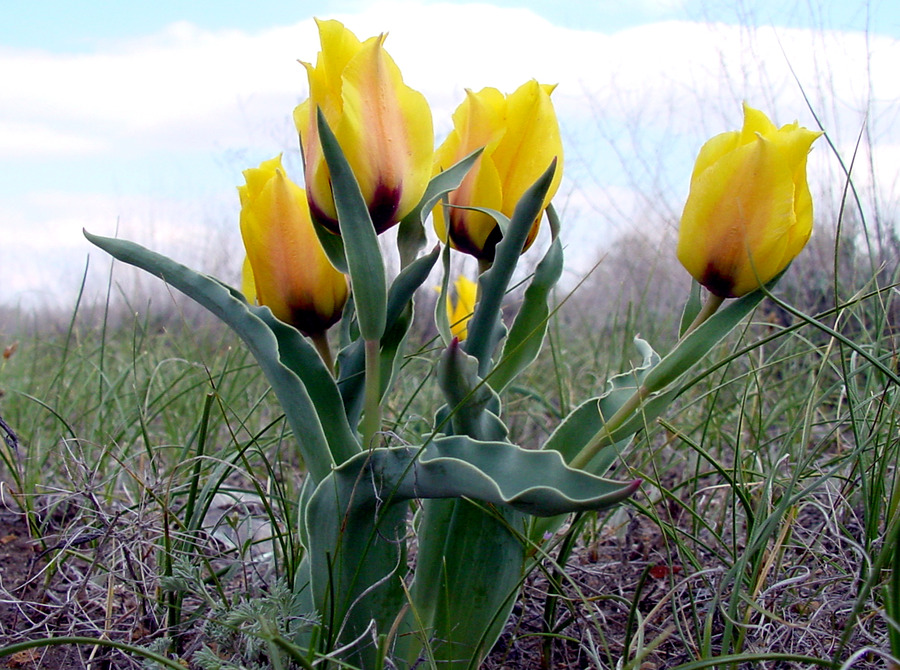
717 282
321 217
383 207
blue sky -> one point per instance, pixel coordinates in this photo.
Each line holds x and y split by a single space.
79 25
140 116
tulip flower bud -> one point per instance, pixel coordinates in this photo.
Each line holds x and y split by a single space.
461 310
520 136
288 269
749 211
383 127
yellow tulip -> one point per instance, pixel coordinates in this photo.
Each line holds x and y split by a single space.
460 311
383 127
749 212
520 136
287 269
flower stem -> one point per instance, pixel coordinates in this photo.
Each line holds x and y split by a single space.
712 304
320 342
371 422
604 436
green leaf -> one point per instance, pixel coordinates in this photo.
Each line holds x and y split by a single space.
526 337
486 327
290 363
473 406
586 420
462 609
298 354
364 261
352 359
355 519
441 317
333 246
528 480
701 341
691 308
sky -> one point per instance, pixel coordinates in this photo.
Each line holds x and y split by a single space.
137 118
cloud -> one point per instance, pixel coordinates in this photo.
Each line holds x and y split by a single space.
28 139
635 107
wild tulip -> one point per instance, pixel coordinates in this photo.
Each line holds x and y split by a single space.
520 135
288 269
749 211
461 310
382 125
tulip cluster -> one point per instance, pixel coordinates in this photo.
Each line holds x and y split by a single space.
384 129
749 212
486 506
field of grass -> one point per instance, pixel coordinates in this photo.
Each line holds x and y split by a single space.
150 482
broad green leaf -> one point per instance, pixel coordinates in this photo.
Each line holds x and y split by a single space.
469 569
536 482
473 406
355 521
486 327
586 420
285 357
364 261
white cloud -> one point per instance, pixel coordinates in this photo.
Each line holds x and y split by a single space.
28 139
634 105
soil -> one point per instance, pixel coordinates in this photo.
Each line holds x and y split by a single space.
25 616
620 579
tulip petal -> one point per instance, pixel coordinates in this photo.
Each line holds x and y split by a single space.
713 150
755 123
339 46
248 283
531 142
386 133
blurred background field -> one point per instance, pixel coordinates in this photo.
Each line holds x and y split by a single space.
154 473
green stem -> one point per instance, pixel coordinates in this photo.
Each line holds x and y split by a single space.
371 422
710 307
320 342
604 436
